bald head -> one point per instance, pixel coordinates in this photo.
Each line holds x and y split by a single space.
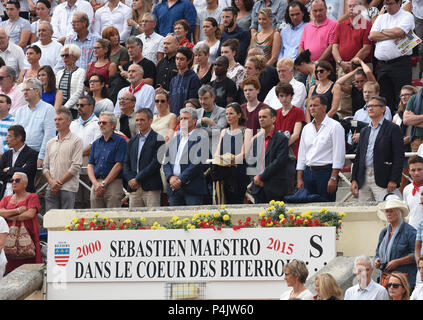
170 45
135 74
127 103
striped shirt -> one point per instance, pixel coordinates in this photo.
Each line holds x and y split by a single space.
419 235
5 124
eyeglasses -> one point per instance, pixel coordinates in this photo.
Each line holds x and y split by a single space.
405 95
17 180
28 89
145 21
124 99
159 101
81 104
66 55
394 285
103 122
420 268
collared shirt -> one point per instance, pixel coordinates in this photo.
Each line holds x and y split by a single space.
16 95
291 40
140 145
88 131
278 9
323 147
14 57
117 18
363 116
386 49
416 209
166 70
64 156
418 291
87 49
62 17
182 143
132 124
38 124
298 100
5 124
373 291
152 44
166 17
105 154
371 144
145 98
317 38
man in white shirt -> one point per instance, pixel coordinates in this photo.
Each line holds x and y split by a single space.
322 152
152 42
412 192
394 67
285 68
366 289
62 17
50 48
113 13
11 53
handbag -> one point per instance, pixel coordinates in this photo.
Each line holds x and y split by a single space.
19 244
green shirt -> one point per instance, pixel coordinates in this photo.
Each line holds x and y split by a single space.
419 131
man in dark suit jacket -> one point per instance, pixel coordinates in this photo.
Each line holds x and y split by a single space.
270 177
20 158
185 157
379 159
141 168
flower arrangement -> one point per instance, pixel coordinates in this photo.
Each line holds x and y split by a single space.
275 215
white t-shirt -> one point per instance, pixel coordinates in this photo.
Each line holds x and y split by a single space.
305 295
50 54
4 228
413 202
417 293
298 100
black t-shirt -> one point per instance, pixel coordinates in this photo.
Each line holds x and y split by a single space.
148 66
357 100
224 89
166 70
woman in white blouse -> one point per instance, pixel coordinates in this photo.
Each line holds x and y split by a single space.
296 274
4 231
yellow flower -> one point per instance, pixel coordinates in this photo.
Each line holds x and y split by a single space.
105 218
262 214
223 207
95 220
189 226
323 210
192 227
305 221
226 217
186 220
206 220
68 228
207 214
127 221
77 225
75 220
272 202
342 214
339 221
270 224
142 219
291 210
216 214
281 203
281 216
155 224
96 214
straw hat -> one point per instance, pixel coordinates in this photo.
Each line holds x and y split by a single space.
392 204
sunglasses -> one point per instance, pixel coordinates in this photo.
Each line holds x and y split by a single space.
394 285
160 100
81 104
17 180
320 71
66 55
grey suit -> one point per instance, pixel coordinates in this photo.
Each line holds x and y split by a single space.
218 115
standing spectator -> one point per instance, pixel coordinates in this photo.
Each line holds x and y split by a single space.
251 88
170 11
63 21
71 79
202 67
113 13
12 54
186 83
62 164
50 94
398 287
9 87
366 288
183 167
126 119
139 8
236 70
244 8
118 53
152 42
413 116
166 68
285 68
270 177
296 18
212 10
418 21
379 159
296 274
327 288
412 192
226 91
98 90
181 31
268 38
33 55
320 160
396 244
50 48
164 122
6 121
141 167
278 8
318 35
19 28
393 68
233 31
143 92
351 41
103 65
43 13
105 165
212 35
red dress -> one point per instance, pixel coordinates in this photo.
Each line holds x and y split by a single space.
31 225
104 71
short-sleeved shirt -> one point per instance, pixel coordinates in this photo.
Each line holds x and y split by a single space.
16 28
287 123
148 66
410 107
224 89
105 154
419 235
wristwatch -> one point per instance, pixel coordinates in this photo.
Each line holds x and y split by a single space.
334 178
104 183
339 62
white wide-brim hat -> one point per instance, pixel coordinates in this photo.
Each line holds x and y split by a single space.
392 204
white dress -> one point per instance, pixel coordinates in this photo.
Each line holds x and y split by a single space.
305 295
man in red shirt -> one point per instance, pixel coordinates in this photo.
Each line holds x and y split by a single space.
351 41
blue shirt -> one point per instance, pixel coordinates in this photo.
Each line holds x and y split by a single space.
87 49
166 17
371 144
291 40
104 154
5 124
39 125
140 145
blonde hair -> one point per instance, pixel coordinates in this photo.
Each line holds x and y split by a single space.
267 12
328 287
404 282
286 62
298 269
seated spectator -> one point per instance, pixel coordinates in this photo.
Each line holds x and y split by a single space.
235 140
98 91
229 49
20 28
327 288
103 65
418 291
33 55
398 287
118 53
212 35
226 91
4 231
139 8
11 53
296 274
192 103
22 208
244 8
50 48
396 244
43 13
126 118
71 79
6 120
306 67
181 30
268 38
50 94
202 67
152 47
164 122
367 288
9 87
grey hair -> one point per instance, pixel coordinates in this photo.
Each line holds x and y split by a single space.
35 83
83 16
90 99
150 14
48 24
201 47
6 31
258 51
10 72
134 39
147 112
23 175
191 111
111 115
363 258
207 88
73 49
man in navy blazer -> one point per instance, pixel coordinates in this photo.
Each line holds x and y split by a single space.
183 167
141 167
379 159
19 158
270 180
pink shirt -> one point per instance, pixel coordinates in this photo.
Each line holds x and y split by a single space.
318 38
17 97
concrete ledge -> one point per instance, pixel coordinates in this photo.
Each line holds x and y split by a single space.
22 282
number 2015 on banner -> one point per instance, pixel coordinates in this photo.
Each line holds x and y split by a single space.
279 246
86 250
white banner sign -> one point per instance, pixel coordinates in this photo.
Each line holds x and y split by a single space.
179 255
